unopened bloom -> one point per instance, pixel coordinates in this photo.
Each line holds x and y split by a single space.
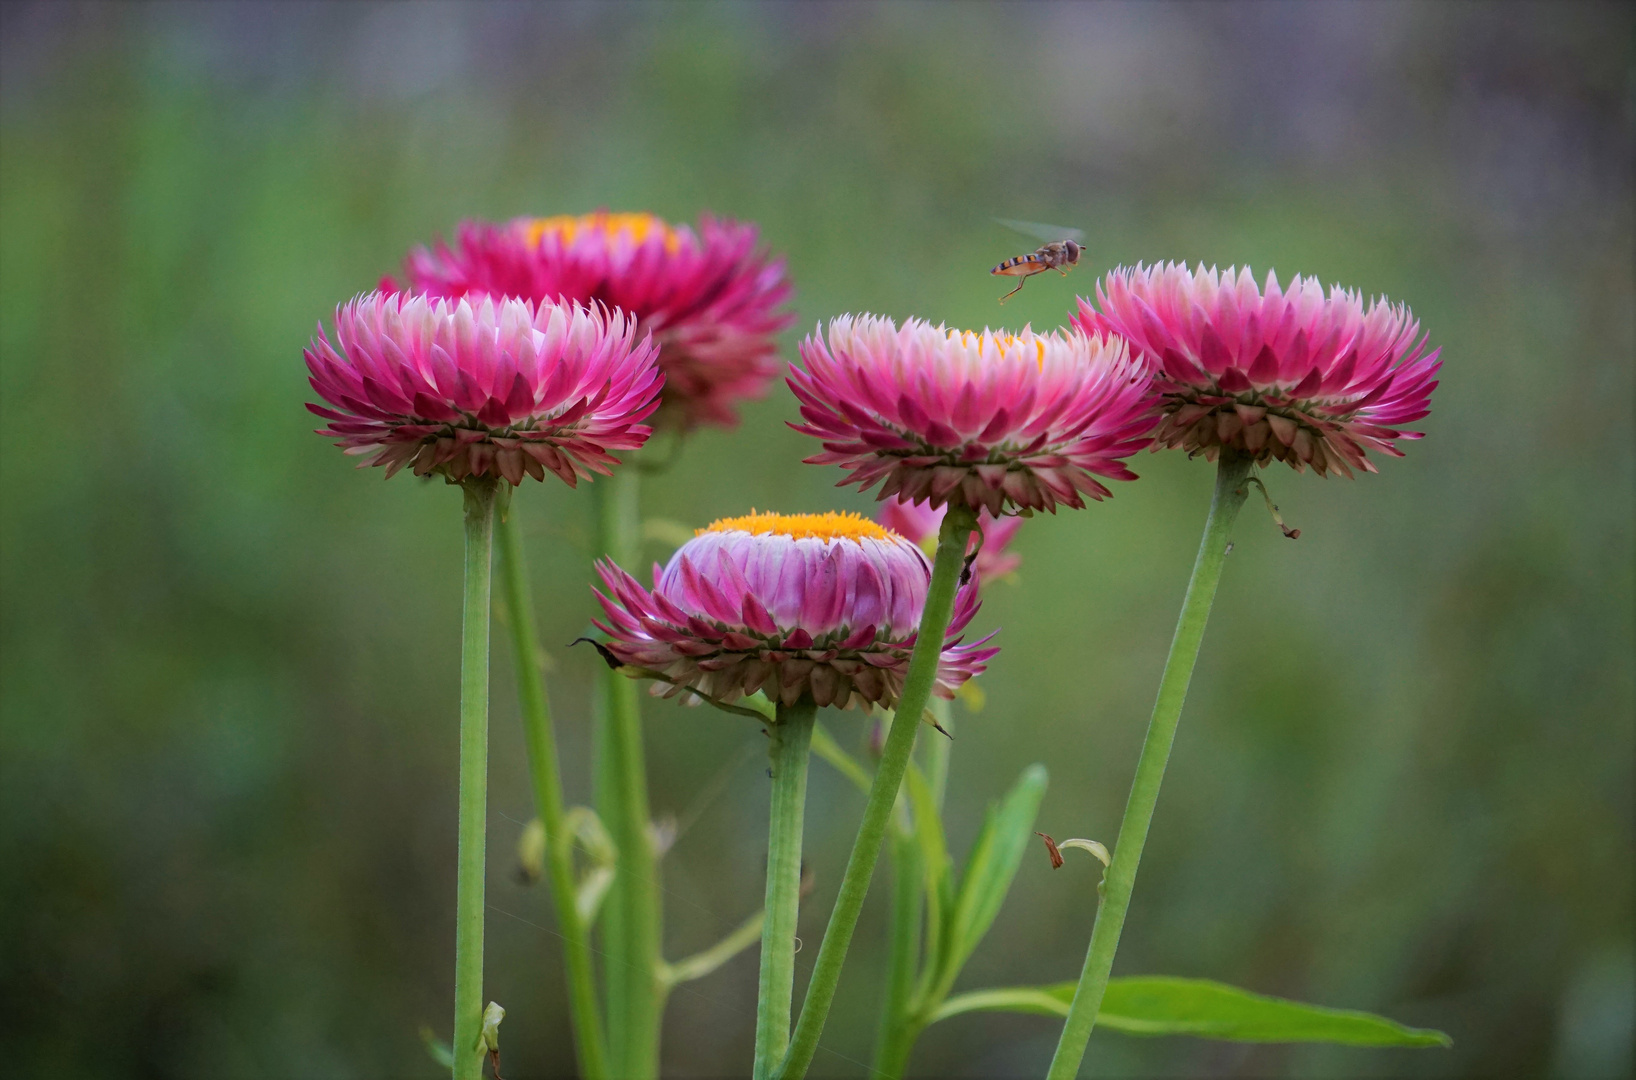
1291 374
919 523
484 386
789 604
711 301
988 420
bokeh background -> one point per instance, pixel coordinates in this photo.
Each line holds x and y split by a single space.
1404 780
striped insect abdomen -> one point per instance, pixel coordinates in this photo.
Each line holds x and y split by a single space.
1021 266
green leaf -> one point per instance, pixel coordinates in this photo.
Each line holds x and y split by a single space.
936 867
928 828
990 869
1162 1005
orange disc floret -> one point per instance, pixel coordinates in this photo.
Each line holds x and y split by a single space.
830 525
790 605
566 226
938 416
712 302
1002 342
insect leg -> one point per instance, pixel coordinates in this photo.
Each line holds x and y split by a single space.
1021 282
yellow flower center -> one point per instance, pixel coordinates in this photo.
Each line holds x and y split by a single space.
1002 341
566 226
831 525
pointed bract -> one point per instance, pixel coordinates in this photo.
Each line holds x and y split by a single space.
820 604
483 386
1269 372
989 420
712 302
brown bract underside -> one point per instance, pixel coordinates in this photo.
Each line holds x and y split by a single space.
1249 424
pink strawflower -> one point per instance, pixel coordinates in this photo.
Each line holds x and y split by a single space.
826 604
919 523
481 387
988 420
709 298
1292 375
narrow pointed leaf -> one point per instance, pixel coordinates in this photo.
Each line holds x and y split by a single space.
1160 1005
936 869
990 869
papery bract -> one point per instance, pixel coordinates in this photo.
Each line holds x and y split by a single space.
711 301
1290 374
826 604
920 522
484 386
989 420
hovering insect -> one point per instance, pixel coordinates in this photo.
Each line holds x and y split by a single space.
1060 255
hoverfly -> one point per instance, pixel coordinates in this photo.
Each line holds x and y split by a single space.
1060 255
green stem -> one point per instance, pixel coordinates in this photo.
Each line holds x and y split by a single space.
631 917
1231 488
897 1033
892 1057
474 780
791 740
545 773
703 963
900 743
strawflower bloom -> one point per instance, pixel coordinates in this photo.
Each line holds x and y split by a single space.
1290 374
919 524
484 387
988 420
789 604
711 301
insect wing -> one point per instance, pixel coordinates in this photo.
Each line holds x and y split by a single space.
1043 232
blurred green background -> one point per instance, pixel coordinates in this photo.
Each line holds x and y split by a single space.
1404 780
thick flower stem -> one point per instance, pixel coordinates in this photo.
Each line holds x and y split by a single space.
1231 489
474 780
791 742
630 915
545 774
900 743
